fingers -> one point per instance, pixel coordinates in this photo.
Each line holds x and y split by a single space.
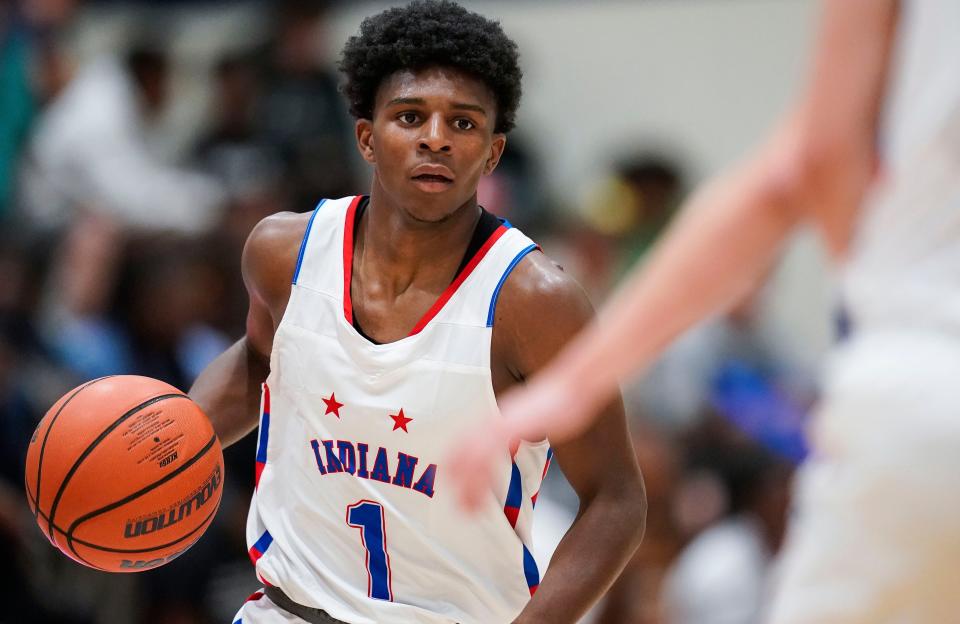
473 460
471 467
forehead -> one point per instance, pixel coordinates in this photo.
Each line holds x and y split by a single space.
436 85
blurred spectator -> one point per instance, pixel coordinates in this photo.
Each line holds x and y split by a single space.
302 114
721 577
232 150
636 597
89 152
248 168
32 70
16 100
633 205
137 306
736 365
619 220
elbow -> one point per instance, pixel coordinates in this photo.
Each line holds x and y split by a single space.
811 170
822 181
797 168
788 178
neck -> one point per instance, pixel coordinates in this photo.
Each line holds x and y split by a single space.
396 249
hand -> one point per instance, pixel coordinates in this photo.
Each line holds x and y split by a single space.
532 412
471 463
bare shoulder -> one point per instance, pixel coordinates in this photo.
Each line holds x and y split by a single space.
540 285
539 309
270 256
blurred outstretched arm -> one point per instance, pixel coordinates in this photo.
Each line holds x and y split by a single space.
816 164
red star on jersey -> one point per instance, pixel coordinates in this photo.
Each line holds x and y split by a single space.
333 406
400 421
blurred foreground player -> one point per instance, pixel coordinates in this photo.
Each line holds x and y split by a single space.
388 325
877 534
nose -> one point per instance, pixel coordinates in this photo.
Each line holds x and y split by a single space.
435 137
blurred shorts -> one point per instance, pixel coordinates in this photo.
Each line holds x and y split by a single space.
875 537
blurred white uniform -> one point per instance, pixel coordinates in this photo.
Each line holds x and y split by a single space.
877 534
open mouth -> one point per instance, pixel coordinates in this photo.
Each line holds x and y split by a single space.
433 177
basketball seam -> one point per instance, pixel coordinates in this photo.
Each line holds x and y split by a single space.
93 445
123 501
43 445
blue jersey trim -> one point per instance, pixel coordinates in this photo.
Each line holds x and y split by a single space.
505 222
514 490
503 278
303 243
530 570
263 543
264 437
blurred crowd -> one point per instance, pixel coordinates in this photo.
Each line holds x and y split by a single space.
120 254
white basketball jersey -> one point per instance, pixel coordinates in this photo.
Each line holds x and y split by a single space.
904 265
352 513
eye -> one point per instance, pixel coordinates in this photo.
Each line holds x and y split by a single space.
464 124
408 118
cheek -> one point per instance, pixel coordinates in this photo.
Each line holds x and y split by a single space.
390 143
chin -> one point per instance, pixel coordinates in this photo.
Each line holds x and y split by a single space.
425 214
432 207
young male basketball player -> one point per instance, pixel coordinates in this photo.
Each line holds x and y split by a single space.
388 324
877 536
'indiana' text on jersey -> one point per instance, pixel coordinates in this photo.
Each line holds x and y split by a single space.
350 513
340 456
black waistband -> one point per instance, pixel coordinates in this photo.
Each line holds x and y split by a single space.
308 614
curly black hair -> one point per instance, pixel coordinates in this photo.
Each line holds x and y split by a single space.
428 33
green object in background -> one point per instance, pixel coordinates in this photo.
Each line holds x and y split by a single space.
16 109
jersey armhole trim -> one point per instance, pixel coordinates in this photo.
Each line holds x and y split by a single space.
303 243
503 278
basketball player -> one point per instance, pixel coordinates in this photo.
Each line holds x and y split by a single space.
877 535
386 325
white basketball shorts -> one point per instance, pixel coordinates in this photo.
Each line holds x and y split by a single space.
876 534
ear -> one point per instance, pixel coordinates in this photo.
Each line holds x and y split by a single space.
496 151
364 131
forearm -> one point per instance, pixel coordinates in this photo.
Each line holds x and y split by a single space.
723 243
589 559
228 391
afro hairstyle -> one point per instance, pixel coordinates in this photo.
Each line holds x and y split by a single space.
431 33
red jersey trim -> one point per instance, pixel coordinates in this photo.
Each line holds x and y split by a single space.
464 274
348 258
444 296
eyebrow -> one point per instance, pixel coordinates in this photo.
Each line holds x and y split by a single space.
420 102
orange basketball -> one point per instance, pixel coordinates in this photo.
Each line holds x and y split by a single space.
124 473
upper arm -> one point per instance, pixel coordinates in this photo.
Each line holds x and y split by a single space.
268 263
839 113
823 158
843 98
540 309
